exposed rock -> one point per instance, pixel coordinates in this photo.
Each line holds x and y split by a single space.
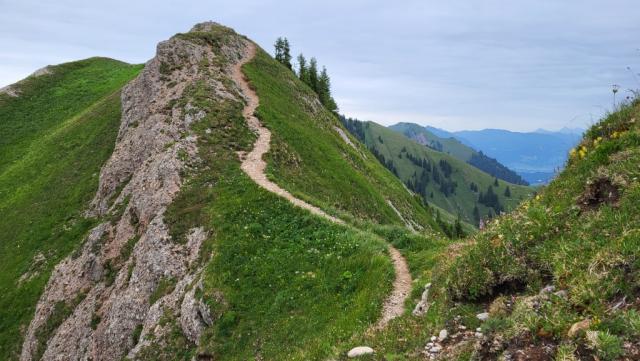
483 316
194 315
344 136
561 294
360 351
547 289
37 263
442 335
12 90
137 184
578 326
423 306
408 223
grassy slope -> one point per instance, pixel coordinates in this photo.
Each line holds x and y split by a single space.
591 253
309 158
54 138
294 285
463 201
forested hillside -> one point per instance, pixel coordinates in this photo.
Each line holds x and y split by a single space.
459 150
439 178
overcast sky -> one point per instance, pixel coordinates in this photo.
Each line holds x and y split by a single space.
473 64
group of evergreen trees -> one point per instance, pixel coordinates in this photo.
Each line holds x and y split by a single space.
355 127
495 168
451 230
473 187
319 81
441 175
388 163
491 200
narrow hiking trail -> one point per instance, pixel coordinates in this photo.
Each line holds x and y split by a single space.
254 166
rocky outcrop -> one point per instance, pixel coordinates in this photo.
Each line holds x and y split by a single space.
13 89
423 305
102 302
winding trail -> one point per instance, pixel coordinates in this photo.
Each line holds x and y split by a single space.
254 166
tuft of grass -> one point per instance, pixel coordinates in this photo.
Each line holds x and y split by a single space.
165 286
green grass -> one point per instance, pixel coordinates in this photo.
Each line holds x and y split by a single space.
289 278
309 159
54 138
591 252
463 200
286 277
47 100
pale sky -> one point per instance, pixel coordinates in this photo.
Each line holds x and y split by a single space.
518 65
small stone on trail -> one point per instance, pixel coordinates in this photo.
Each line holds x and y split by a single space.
433 338
360 351
442 335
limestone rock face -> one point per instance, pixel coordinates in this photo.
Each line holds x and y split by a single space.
105 288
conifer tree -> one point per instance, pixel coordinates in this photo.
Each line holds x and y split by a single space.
279 49
303 71
283 55
507 192
476 214
324 91
313 74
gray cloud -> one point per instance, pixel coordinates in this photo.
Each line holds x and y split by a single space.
457 65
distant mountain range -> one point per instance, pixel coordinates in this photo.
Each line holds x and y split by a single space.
459 150
535 156
445 173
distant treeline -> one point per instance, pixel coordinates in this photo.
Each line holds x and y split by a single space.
495 168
